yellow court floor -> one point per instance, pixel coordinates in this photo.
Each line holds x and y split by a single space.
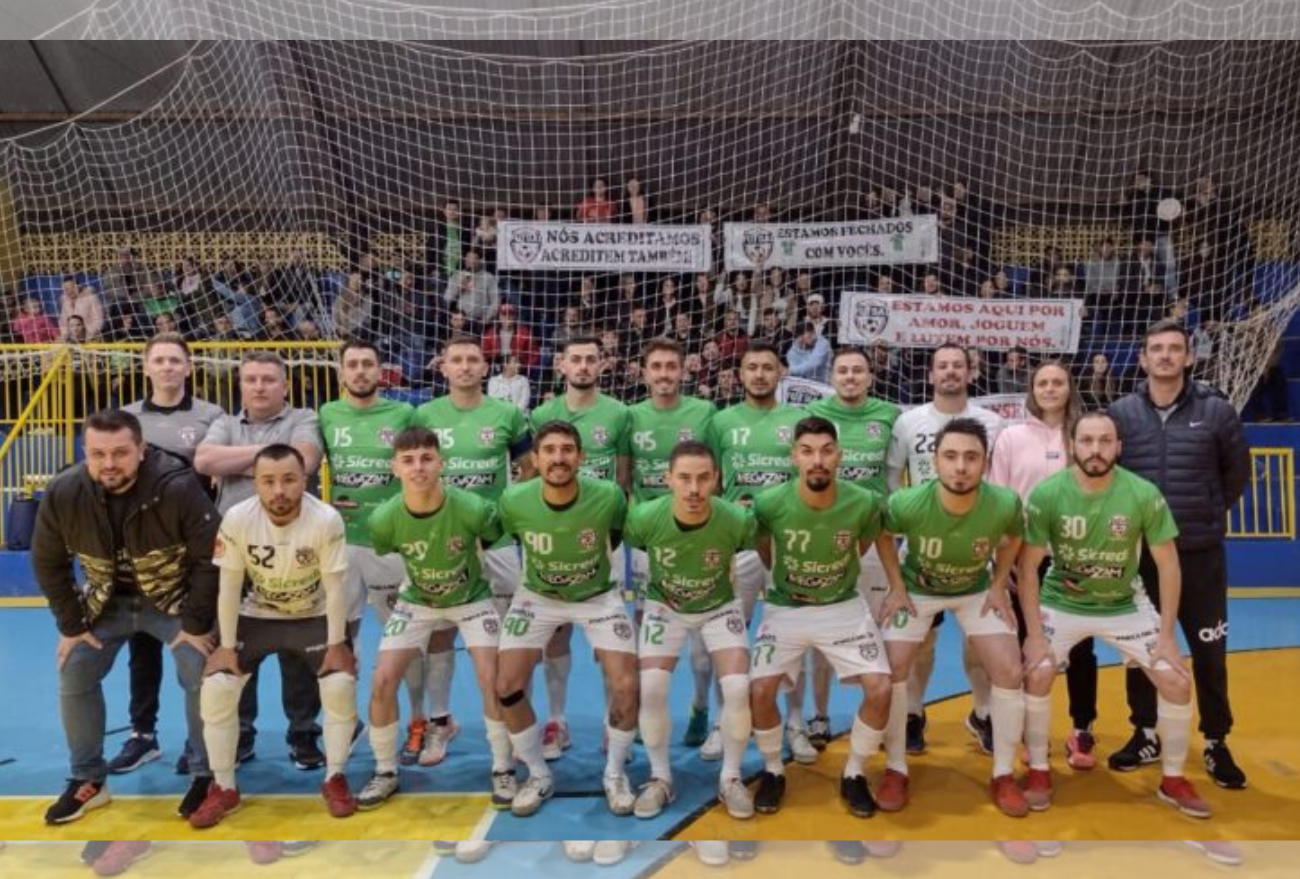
950 782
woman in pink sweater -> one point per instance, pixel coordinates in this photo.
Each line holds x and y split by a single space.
1025 454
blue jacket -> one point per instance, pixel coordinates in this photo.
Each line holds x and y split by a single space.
811 363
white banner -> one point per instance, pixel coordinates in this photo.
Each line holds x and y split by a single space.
851 243
1037 325
801 391
602 247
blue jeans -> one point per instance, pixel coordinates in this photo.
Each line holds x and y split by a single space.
81 691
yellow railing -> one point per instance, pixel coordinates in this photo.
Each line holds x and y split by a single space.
1267 508
37 445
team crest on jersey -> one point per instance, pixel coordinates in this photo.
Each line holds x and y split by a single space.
843 540
735 625
980 547
623 630
874 431
685 434
189 435
305 556
712 558
869 650
387 435
600 435
785 434
490 625
1118 526
455 544
587 539
487 435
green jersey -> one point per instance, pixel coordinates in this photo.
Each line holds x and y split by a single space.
815 552
477 444
653 433
359 443
603 429
566 549
864 433
1096 539
440 549
690 567
753 447
946 554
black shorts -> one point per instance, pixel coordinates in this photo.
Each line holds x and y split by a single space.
259 638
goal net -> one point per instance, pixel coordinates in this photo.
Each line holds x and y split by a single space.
1010 175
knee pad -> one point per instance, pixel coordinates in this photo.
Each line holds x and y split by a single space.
219 698
512 699
338 695
655 721
737 721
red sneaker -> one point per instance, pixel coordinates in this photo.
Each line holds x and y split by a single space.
264 852
1177 791
219 803
1008 796
1079 750
1038 789
338 796
1019 851
891 795
119 856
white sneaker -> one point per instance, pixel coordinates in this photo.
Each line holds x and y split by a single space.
712 853
609 852
800 747
436 740
1048 848
505 786
735 796
578 851
555 739
377 791
712 747
618 794
655 794
535 791
472 852
1219 851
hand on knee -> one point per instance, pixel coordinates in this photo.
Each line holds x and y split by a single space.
219 698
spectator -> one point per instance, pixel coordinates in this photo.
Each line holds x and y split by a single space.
592 310
165 323
274 329
637 333
1201 284
596 207
222 329
773 332
125 329
353 309
306 331
810 355
1063 284
1142 268
732 341
299 288
728 390
963 271
1042 272
509 385
484 241
1013 374
1144 220
450 240
931 285
612 340
241 302
198 299
987 289
1002 283
736 295
157 296
505 338
1098 387
667 307
84 303
570 328
475 292
1210 218
710 363
634 389
684 333
628 298
886 285
33 326
704 305
635 207
822 323
123 283
980 384
1101 272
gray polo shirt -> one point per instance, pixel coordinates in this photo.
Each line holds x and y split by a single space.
290 425
179 429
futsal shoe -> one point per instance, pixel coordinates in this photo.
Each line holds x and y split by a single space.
194 797
771 790
378 790
555 739
305 752
857 796
819 732
264 853
338 796
743 850
437 739
1222 768
1049 848
654 795
1178 792
801 749
1219 851
78 798
1008 796
711 750
414 744
916 734
579 851
697 729
891 794
981 729
1141 748
219 803
1079 750
609 852
119 856
472 852
618 794
1038 789
535 791
735 797
712 853
505 785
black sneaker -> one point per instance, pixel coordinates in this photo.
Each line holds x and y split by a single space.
743 850
78 798
1138 751
137 750
305 752
195 795
849 852
819 732
244 750
857 796
916 734
982 730
183 761
1222 768
771 789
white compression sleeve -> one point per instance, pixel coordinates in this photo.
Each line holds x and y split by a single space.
337 603
228 597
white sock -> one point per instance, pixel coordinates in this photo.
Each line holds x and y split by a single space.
338 696
528 748
863 742
498 737
219 707
1038 729
980 685
769 745
439 669
556 671
896 729
620 743
737 723
655 721
383 741
1174 723
1007 708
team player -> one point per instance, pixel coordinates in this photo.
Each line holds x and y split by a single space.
656 426
291 548
752 440
479 437
567 525
911 451
692 538
602 422
358 431
437 530
864 426
955 525
1094 518
812 533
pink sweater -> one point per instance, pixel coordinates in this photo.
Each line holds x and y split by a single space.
1025 454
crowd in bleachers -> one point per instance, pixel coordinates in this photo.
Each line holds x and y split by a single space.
1196 268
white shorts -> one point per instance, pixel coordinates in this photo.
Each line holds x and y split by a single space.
503 567
966 608
410 625
844 633
664 630
374 580
1132 634
533 618
751 580
873 586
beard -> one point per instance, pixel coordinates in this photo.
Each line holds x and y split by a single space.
818 481
582 384
1083 464
961 492
363 392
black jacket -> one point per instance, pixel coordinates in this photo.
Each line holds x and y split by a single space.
169 533
1199 458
